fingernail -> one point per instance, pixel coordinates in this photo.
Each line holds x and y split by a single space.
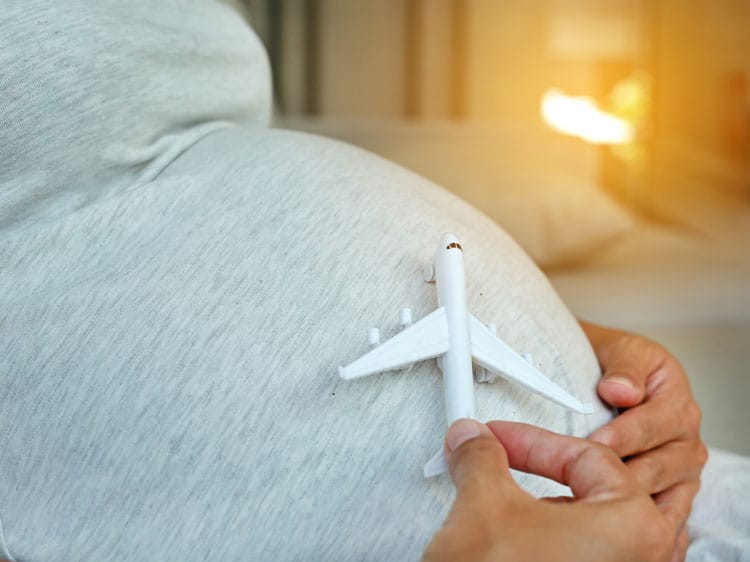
460 432
620 380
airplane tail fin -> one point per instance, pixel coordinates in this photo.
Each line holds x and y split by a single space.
436 465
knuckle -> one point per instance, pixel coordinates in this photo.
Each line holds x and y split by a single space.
470 448
596 454
647 436
624 348
482 446
618 347
629 340
702 454
607 437
692 416
654 473
477 460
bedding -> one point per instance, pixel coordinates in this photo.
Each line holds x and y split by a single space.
662 275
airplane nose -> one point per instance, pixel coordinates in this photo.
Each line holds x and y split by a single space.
448 241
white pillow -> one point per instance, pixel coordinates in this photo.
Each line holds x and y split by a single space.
534 183
557 219
555 216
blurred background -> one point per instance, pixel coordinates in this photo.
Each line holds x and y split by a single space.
611 138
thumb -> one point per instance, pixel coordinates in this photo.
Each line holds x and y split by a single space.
479 468
477 461
623 383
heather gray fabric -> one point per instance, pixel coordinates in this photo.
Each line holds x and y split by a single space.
719 525
169 359
97 97
179 285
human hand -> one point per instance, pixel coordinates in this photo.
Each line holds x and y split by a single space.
610 518
659 432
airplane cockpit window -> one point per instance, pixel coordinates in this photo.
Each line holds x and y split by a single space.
454 245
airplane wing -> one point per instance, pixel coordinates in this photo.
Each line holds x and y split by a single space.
493 354
426 339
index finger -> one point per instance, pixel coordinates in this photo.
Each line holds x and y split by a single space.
591 470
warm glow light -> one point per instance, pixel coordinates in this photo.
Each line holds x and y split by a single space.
581 117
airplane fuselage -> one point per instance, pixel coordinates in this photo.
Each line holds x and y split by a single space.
457 340
456 363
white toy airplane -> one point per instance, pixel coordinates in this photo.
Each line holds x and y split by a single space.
455 338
